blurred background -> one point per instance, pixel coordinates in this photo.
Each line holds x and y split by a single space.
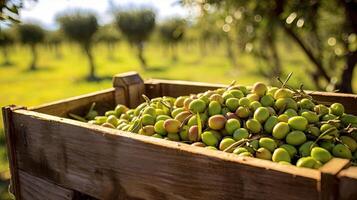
56 49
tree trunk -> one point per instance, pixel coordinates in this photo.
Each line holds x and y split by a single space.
142 60
230 52
6 56
34 57
110 49
276 71
174 52
92 75
347 74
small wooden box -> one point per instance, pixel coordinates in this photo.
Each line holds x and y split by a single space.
53 157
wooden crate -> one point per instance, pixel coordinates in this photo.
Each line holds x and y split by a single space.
53 157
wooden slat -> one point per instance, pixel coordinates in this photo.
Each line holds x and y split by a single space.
111 164
11 148
105 100
329 181
133 87
178 88
34 188
348 184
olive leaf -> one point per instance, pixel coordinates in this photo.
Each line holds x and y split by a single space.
230 85
322 135
241 142
199 124
77 117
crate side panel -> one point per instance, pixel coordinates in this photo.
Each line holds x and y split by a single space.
105 100
108 166
34 188
348 184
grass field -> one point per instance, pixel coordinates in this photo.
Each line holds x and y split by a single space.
60 78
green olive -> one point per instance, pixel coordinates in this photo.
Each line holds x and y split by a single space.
232 125
305 148
268 143
311 117
184 133
253 125
197 106
261 114
280 130
270 124
236 93
283 93
214 108
306 104
341 151
267 100
259 88
209 138
240 133
232 104
320 154
243 112
217 97
245 154
263 153
290 112
295 138
225 143
337 109
308 162
298 123
281 154
349 142
159 128
148 119
244 101
290 149
240 150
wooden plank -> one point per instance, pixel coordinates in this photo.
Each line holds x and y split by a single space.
11 148
105 100
34 188
152 89
110 164
178 88
329 181
133 87
348 184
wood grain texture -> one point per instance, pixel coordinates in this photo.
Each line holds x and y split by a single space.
133 87
110 164
11 148
34 188
177 88
105 100
348 184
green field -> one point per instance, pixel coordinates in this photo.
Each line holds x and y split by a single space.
60 78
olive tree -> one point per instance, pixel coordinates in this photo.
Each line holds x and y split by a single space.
54 40
31 35
6 40
108 36
137 26
172 32
325 31
80 26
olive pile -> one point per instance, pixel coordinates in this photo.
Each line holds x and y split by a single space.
278 124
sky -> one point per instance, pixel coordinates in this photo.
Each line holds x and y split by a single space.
44 11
